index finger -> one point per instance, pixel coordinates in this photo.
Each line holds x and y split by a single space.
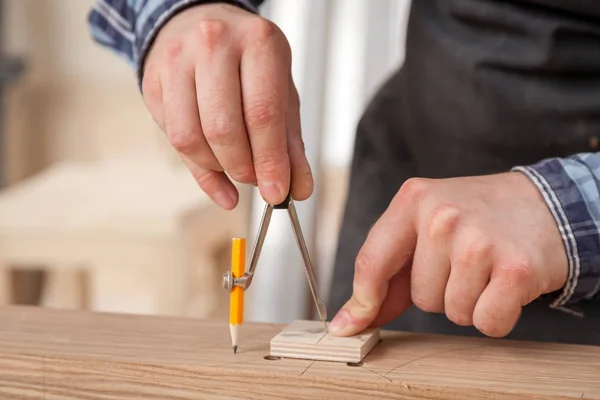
388 246
265 69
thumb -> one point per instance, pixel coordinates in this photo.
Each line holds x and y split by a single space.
386 251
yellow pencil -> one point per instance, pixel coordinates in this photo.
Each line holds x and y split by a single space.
236 299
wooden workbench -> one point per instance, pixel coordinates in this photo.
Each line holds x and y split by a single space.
70 355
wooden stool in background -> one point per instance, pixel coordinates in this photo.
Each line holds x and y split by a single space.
120 237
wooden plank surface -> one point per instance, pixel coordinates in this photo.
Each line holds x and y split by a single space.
71 355
308 340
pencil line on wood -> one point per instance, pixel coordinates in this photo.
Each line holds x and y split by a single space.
378 374
310 365
433 354
321 338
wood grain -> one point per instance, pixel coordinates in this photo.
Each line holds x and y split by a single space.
308 340
72 355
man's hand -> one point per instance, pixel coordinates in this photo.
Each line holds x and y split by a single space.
218 82
480 248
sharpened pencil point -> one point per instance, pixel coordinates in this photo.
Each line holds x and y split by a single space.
234 349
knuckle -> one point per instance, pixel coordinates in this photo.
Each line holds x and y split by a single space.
211 32
219 132
266 36
206 180
244 174
364 264
173 49
263 30
476 250
184 142
261 115
414 188
269 162
366 304
518 273
442 221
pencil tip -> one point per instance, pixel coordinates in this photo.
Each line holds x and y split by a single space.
234 349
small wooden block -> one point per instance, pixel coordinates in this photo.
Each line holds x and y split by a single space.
308 340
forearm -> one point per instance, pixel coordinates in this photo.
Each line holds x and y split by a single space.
571 188
129 27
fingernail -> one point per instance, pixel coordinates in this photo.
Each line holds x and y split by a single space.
224 199
272 192
340 322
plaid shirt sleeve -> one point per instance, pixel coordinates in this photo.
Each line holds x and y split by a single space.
128 27
571 188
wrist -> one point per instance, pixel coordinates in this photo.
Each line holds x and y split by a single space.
569 188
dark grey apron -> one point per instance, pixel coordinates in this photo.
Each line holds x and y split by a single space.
486 85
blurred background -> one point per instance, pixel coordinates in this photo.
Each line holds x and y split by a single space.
98 213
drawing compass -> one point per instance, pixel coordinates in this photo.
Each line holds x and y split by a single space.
230 281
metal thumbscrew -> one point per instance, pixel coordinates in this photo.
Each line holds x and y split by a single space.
227 281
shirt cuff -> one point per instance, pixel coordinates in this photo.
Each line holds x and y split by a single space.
156 13
571 193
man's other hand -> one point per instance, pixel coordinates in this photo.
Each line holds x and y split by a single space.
477 249
218 82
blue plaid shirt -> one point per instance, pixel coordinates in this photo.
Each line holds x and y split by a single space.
570 186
